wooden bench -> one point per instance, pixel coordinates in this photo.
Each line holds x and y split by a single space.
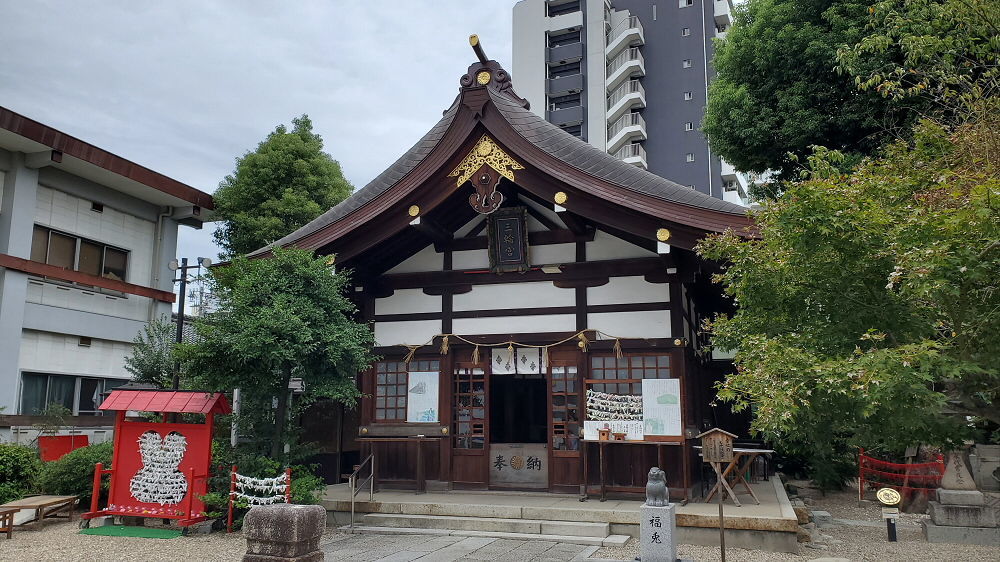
44 506
7 520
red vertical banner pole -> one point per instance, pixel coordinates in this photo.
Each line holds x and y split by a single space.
288 487
861 474
190 496
232 493
98 469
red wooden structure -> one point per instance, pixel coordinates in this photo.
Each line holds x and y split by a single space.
904 478
234 484
159 469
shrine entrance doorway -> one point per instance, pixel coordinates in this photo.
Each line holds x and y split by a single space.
519 427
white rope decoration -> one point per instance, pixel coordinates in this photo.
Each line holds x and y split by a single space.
257 487
602 406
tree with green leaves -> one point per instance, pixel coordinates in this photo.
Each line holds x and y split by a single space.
778 91
869 306
152 358
282 185
277 318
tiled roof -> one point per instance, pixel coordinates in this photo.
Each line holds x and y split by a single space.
167 401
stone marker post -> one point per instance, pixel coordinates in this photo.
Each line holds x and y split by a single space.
284 532
961 513
657 528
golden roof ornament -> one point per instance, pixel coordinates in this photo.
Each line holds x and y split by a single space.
486 152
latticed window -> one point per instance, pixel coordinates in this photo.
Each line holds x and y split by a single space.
624 376
391 379
565 409
469 426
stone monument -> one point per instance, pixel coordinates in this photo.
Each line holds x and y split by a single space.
960 514
284 532
658 526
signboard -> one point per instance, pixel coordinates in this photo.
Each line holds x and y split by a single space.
890 513
521 465
661 407
631 429
508 240
422 397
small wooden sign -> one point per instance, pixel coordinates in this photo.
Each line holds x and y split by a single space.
717 445
507 233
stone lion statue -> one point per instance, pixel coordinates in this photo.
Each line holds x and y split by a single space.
657 494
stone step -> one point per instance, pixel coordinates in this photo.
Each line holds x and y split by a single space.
614 516
611 540
488 524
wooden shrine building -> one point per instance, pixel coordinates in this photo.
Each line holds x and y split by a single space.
527 290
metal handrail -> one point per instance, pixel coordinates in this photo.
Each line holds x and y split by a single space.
629 150
630 23
630 87
630 54
353 481
627 120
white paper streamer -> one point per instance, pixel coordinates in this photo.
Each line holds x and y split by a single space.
274 488
158 480
602 406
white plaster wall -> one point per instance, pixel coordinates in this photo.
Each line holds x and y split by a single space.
424 260
72 214
406 301
133 307
621 290
406 333
471 259
608 247
552 253
514 295
461 232
515 324
644 324
48 352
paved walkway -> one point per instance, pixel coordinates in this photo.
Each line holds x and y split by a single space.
404 548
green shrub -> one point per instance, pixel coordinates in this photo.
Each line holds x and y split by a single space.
73 474
19 466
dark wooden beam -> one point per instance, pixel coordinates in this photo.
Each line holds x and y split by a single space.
574 222
536 311
546 221
433 231
54 272
561 236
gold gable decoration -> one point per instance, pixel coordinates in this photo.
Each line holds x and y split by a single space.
486 152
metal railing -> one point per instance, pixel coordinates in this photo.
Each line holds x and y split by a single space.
630 151
630 87
624 57
627 120
353 481
631 22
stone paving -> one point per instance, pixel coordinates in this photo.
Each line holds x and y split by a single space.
436 548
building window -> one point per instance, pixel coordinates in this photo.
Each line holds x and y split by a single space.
689 157
469 407
563 102
686 63
575 130
688 96
624 376
685 3
391 379
78 254
568 69
565 408
689 126
558 39
685 32
81 395
558 9
729 185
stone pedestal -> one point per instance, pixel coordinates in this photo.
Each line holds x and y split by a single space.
284 532
658 533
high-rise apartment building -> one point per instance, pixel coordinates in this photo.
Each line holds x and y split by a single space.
628 76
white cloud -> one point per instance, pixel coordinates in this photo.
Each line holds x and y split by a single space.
185 87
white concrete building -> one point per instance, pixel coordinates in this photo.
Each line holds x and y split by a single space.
630 77
85 239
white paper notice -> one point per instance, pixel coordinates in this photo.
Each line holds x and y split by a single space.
661 407
422 397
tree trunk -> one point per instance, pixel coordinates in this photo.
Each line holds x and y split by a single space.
278 444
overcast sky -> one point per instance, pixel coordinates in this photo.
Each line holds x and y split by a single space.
184 87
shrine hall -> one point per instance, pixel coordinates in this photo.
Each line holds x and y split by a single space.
536 305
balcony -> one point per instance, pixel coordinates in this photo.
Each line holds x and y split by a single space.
565 53
627 33
565 85
630 127
632 154
630 95
565 117
723 12
626 64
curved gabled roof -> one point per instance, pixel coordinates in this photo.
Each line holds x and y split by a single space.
606 176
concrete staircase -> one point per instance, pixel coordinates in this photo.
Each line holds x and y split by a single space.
573 532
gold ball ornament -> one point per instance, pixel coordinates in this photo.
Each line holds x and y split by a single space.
483 78
560 197
663 235
444 430
888 496
413 210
